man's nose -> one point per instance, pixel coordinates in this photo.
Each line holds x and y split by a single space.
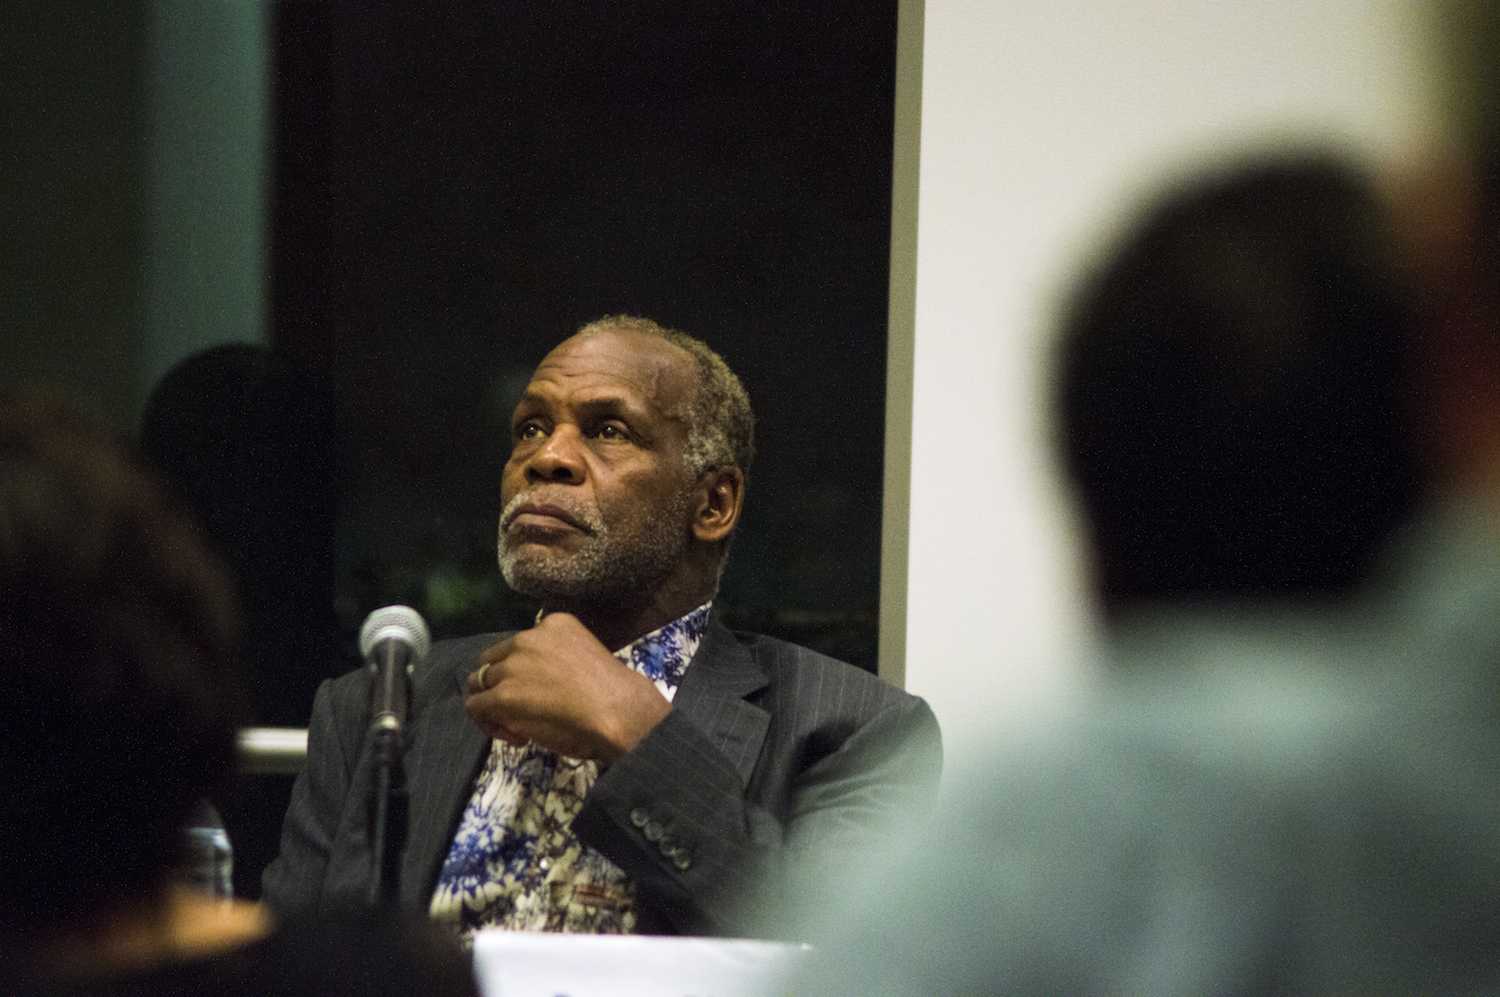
558 459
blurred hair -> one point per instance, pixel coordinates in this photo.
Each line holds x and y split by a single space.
122 702
1231 390
721 426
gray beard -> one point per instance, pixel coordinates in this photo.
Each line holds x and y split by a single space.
609 567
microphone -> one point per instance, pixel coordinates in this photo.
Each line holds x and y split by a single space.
393 641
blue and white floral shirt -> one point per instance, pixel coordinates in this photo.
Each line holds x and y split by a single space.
515 862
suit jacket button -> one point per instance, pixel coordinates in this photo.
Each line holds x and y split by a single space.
638 817
682 860
653 831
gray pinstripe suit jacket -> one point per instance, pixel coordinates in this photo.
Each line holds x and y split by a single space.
773 755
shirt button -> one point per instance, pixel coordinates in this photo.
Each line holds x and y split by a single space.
545 863
638 817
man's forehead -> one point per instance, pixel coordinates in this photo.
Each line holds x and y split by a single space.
615 362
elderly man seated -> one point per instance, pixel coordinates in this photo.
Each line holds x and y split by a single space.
628 764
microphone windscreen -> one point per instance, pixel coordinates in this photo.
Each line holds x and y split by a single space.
395 623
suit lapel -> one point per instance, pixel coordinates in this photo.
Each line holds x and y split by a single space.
712 697
446 749
440 770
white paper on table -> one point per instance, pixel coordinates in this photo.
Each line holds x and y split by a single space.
532 964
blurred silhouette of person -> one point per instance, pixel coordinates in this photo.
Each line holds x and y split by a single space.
245 436
122 681
1231 395
1283 779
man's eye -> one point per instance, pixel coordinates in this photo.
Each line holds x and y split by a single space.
529 430
610 431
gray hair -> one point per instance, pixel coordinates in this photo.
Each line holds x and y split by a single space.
721 427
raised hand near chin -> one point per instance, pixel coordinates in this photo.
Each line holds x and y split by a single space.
556 685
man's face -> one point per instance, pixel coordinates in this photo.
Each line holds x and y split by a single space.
596 501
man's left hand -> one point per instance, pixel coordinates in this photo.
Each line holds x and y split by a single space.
556 685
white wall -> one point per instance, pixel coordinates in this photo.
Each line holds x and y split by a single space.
1040 125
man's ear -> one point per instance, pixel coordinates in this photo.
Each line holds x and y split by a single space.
719 499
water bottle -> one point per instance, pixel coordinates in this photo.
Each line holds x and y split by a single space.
209 865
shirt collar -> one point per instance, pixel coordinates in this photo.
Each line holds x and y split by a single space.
664 654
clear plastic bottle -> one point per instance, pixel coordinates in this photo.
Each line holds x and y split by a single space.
209 859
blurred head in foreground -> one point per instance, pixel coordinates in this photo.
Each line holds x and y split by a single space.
119 629
244 436
1231 396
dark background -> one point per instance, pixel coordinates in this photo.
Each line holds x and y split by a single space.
451 191
454 194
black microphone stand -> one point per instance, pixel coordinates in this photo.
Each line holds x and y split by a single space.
389 808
